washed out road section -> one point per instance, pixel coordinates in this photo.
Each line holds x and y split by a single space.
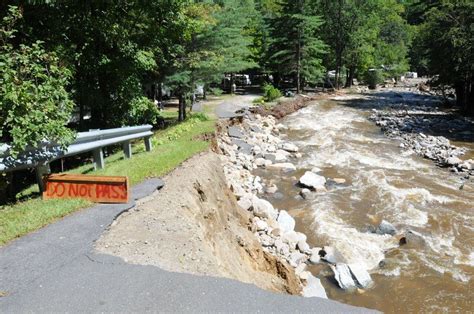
55 269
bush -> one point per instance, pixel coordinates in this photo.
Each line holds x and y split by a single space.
34 102
373 78
215 91
270 93
142 111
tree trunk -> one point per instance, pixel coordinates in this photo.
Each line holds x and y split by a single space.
350 77
204 94
298 65
181 108
232 79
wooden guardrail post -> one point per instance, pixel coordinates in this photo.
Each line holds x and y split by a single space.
127 149
98 158
148 145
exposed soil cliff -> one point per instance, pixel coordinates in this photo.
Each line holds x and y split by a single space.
194 225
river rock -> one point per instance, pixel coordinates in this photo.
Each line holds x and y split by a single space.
289 147
303 247
314 257
386 228
453 161
305 193
263 208
316 170
286 222
312 180
285 167
260 162
314 288
276 157
266 240
261 225
339 180
291 238
296 258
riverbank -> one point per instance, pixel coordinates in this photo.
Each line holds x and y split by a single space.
424 129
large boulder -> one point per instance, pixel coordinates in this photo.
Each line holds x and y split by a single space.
361 276
351 276
263 209
286 222
314 288
312 181
343 276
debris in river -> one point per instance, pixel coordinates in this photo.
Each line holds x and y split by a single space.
351 276
386 228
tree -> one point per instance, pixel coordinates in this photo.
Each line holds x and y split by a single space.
34 104
295 47
448 36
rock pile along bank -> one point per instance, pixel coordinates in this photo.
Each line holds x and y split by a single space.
412 125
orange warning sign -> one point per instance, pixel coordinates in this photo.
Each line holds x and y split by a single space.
99 189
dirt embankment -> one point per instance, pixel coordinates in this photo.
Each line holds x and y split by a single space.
194 225
285 107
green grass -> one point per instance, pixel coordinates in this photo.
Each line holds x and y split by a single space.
170 148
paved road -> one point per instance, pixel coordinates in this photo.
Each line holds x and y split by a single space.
228 108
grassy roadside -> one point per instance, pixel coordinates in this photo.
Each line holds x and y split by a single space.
170 147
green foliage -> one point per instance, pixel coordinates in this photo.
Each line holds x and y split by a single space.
373 77
215 91
295 46
270 93
448 38
34 104
142 111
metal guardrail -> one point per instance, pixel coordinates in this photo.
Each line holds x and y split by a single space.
94 141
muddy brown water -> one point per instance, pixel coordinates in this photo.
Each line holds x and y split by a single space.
382 182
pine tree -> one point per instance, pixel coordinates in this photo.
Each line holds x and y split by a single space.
295 48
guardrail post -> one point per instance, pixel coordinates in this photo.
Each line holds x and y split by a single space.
127 149
148 145
41 171
98 159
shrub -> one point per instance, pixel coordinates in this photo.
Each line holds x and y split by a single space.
373 78
142 111
215 91
34 103
270 93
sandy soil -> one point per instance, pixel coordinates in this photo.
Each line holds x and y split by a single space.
194 225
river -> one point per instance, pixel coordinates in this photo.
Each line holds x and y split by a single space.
383 181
